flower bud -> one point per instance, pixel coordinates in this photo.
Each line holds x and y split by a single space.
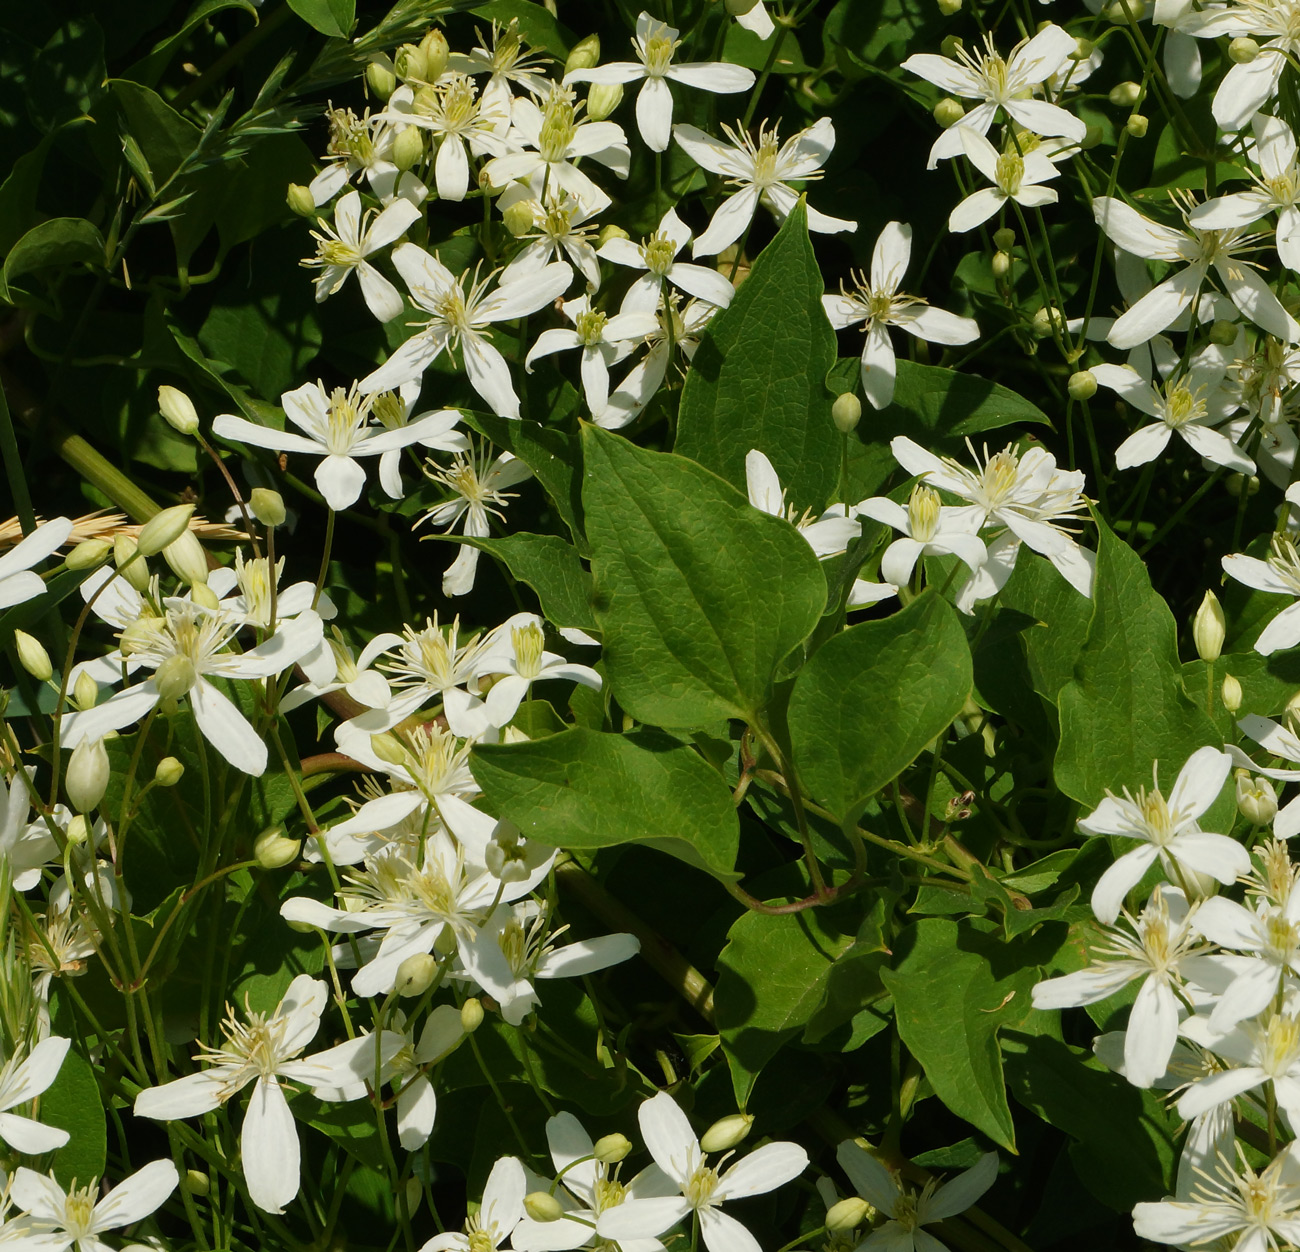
196 1182
1237 483
389 749
1209 628
300 200
948 112
541 1206
610 1149
415 975
85 691
1230 694
518 218
267 505
1083 49
408 148
188 560
272 850
1223 333
846 412
78 831
88 553
1256 801
727 1132
33 657
1091 137
1243 50
130 566
178 409
1044 320
1125 94
169 772
414 1194
847 1214
1001 264
1123 11
611 232
603 99
585 55
1004 239
1137 125
949 7
738 8
1082 385
437 53
471 1015
380 79
88 774
164 528
174 677
204 597
949 46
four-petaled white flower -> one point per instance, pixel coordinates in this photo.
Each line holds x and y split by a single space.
654 43
346 245
657 256
929 528
1014 177
516 653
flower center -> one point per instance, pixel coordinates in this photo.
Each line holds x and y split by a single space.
79 1209
388 409
350 136
558 125
591 327
458 104
1280 1043
1285 561
658 253
701 1186
999 478
528 643
254 581
1182 405
658 52
1010 172
923 513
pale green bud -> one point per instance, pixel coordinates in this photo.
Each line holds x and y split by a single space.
196 1182
33 657
408 148
188 560
1125 94
414 1194
174 677
1137 125
1082 385
78 830
846 412
1044 319
380 79
847 1214
415 975
603 99
1083 49
1243 50
611 232
1230 693
1223 333
1256 801
204 596
1209 628
178 409
949 46
1237 483
471 1015
541 1206
948 112
1004 239
169 772
610 1149
949 7
163 528
727 1132
518 218
1091 137
88 553
267 505
1126 11
136 572
272 850
88 774
85 691
436 54
300 200
389 749
1001 264
585 55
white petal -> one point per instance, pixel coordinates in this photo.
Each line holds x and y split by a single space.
668 1136
141 1194
958 1194
654 114
269 1145
771 1166
227 729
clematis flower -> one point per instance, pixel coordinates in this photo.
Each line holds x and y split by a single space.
1014 177
1266 1050
657 256
878 304
59 1219
1278 575
701 1189
761 173
18 582
828 535
344 248
26 847
22 1079
1167 830
929 528
263 1050
654 43
1001 83
498 1215
393 410
907 1210
508 63
459 317
364 145
560 232
516 652
679 328
336 427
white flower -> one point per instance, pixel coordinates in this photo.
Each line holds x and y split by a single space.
1185 406
1278 741
675 1149
642 381
509 60
1153 947
345 672
516 652
760 172
458 318
1014 177
393 411
336 427
909 1211
1167 830
828 535
22 1079
17 581
264 1050
1278 575
189 645
364 145
342 249
25 846
657 256
559 233
1201 251
929 528
497 1217
61 1219
878 304
604 341
1005 83
654 43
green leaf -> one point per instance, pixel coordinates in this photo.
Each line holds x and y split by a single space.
1126 706
699 596
73 1103
757 379
873 696
331 17
550 566
164 136
18 194
585 789
954 987
61 241
1061 616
